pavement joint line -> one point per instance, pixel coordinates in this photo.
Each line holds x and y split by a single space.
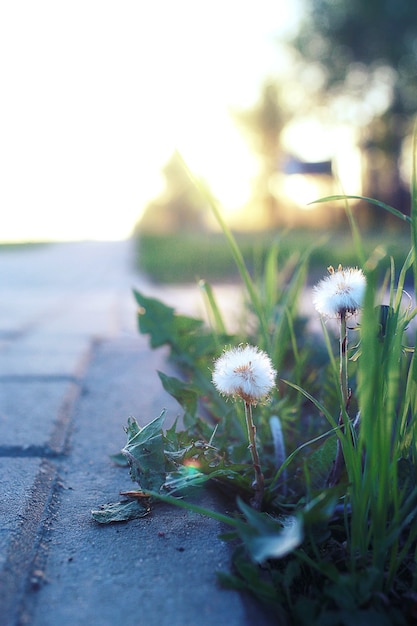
59 438
29 378
17 334
22 452
12 334
23 551
60 435
36 577
23 566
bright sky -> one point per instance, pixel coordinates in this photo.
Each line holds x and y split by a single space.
96 94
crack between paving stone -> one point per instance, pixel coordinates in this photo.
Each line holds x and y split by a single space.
19 571
21 452
57 443
28 378
23 571
36 576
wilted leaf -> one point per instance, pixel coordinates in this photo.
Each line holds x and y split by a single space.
145 453
121 511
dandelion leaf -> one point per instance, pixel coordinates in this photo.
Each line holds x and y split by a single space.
145 453
322 507
268 538
190 343
184 394
132 428
119 459
162 323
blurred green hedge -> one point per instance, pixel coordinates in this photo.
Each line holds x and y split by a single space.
184 258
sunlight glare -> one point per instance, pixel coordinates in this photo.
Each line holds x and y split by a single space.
313 140
98 95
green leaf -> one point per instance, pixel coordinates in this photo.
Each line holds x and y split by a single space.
191 344
120 511
322 507
162 323
185 394
132 428
145 453
136 434
251 578
119 459
268 538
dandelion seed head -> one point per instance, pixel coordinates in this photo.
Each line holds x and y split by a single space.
245 372
341 292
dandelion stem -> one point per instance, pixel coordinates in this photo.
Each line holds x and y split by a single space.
344 387
258 483
339 461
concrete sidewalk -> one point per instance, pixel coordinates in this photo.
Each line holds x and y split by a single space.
72 370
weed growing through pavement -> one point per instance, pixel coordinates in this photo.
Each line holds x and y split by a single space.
246 372
327 531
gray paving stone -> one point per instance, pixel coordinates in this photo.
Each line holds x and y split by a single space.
28 485
66 267
95 314
34 415
158 571
45 354
20 311
17 478
70 288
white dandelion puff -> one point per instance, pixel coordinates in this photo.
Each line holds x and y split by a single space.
340 293
245 372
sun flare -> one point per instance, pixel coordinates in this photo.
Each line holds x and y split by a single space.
99 95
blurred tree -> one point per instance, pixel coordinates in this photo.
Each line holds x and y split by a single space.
178 207
367 53
263 124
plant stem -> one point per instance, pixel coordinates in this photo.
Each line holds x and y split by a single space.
339 461
258 483
343 359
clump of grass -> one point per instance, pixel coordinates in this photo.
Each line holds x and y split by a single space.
333 526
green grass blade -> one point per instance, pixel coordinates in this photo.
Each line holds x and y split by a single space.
213 309
378 203
316 403
357 240
235 250
414 206
224 519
